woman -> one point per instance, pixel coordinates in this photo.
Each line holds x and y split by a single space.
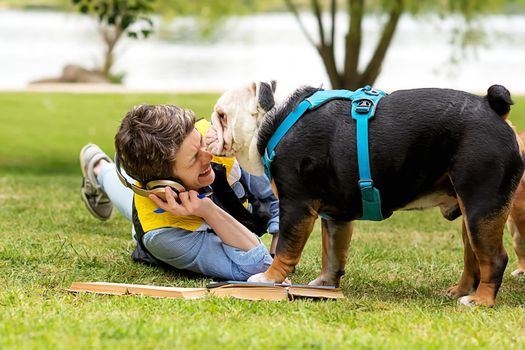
188 230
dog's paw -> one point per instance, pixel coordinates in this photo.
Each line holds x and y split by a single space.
260 277
473 300
321 281
518 273
457 292
466 301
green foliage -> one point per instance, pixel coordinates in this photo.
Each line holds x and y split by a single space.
117 17
122 14
209 14
205 8
117 78
394 284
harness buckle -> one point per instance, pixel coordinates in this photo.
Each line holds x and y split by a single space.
363 106
365 183
372 92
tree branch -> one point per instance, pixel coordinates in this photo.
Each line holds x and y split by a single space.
374 66
318 12
326 48
291 6
333 11
111 34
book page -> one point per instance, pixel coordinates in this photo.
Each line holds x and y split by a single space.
250 293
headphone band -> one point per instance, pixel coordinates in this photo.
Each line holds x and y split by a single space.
152 187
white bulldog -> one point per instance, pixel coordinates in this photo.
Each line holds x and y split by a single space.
236 119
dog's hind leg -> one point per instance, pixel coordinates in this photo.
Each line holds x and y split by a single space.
295 227
336 240
485 176
485 234
470 277
516 225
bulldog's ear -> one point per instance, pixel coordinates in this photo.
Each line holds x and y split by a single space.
274 85
265 97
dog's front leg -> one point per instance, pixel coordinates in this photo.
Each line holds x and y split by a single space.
336 240
295 227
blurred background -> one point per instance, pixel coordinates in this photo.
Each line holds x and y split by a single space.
198 46
71 69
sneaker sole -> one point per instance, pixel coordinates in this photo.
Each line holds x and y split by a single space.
82 194
94 213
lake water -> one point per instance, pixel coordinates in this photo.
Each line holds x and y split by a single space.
36 45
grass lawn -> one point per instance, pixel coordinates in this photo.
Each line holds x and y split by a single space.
396 276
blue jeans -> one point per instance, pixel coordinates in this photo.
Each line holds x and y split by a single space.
198 251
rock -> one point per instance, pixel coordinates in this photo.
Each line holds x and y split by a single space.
76 74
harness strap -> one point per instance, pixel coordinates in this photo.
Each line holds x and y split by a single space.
363 109
269 152
364 103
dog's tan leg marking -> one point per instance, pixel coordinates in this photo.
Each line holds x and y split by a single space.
516 225
285 260
274 189
470 276
487 245
336 240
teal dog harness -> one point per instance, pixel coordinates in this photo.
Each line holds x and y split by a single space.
364 102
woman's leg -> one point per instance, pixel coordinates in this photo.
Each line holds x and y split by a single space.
120 196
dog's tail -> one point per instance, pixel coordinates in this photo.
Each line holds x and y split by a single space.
499 100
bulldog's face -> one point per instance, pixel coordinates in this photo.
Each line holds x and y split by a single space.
235 121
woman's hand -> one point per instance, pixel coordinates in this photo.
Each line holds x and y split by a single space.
229 230
188 203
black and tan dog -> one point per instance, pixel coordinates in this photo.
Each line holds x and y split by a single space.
428 147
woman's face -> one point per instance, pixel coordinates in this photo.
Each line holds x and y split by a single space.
192 163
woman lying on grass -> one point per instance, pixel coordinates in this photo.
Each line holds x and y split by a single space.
206 228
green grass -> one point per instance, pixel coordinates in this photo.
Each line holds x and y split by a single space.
396 276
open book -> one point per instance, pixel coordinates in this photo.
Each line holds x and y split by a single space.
235 289
272 291
137 289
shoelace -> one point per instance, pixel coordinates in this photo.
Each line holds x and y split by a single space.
95 193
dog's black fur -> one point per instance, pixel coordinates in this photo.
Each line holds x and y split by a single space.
421 141
415 138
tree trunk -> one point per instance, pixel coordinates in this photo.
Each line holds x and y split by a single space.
371 72
111 34
327 55
350 77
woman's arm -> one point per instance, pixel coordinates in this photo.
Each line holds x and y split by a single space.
229 230
260 187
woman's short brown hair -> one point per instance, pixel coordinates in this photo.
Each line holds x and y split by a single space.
149 137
